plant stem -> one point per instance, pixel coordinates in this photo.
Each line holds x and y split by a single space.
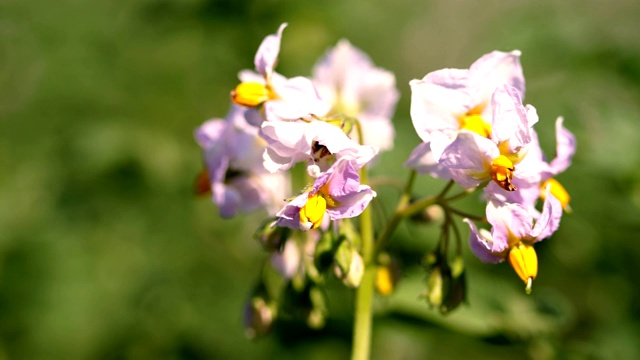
404 200
364 294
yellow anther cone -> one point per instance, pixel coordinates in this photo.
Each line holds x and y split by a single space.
250 94
502 172
313 211
524 261
558 191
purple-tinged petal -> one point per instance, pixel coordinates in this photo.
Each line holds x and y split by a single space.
353 204
227 199
289 215
210 133
499 227
565 148
422 161
287 262
287 144
343 180
526 195
549 220
480 243
494 69
510 223
438 100
338 143
298 99
510 122
267 55
471 152
345 189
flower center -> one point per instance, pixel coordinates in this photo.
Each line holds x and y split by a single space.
252 94
502 172
312 213
474 123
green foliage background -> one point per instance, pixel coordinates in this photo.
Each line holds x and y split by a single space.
105 253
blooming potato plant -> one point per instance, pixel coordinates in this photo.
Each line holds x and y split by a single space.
476 134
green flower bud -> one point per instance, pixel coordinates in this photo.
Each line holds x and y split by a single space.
349 265
258 317
445 282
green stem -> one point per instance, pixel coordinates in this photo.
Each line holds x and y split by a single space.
462 213
364 294
398 215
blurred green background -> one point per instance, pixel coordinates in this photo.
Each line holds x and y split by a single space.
106 254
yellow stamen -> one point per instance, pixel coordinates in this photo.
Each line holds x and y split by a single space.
324 192
251 94
558 191
524 261
475 123
502 172
515 157
384 281
312 213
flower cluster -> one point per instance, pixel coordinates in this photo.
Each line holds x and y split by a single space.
333 124
477 132
326 130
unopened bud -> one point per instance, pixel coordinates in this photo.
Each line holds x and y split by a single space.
437 280
457 292
287 262
258 317
387 275
353 276
431 214
446 283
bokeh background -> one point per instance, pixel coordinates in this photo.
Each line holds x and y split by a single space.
106 254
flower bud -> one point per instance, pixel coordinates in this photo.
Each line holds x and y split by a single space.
353 276
307 303
258 317
317 315
349 265
287 262
387 275
446 283
457 292
431 214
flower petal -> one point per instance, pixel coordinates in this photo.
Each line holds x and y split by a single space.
481 243
565 148
267 55
492 70
438 100
510 122
549 220
422 161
